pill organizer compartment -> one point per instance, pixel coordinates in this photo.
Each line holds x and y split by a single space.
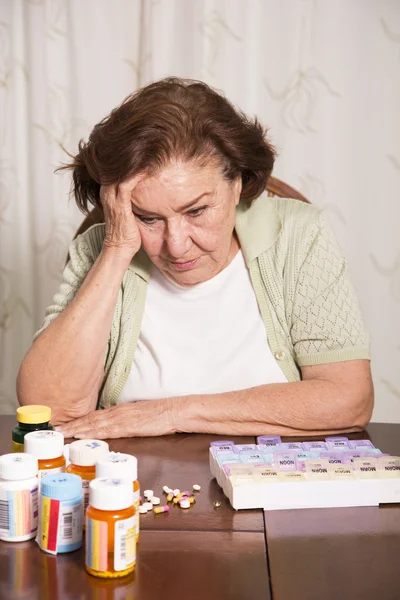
335 472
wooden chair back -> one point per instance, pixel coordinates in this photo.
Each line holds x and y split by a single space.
276 187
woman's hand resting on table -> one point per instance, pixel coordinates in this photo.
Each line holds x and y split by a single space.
134 419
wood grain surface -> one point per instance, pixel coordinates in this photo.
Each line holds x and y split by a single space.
338 553
202 552
208 553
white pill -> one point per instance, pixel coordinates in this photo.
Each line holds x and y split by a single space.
148 494
142 509
155 500
148 505
166 489
184 504
176 492
197 487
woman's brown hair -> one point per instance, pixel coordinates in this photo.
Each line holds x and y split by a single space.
171 119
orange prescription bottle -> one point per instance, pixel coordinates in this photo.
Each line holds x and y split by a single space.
83 455
110 528
122 466
48 448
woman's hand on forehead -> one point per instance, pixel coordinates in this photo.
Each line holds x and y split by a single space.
122 231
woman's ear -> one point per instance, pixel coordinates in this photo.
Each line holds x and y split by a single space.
237 188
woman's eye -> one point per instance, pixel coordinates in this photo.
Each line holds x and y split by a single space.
147 220
196 211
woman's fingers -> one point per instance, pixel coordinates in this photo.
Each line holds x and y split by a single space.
122 230
125 189
142 418
117 196
101 433
87 423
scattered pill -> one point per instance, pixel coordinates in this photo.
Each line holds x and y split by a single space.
166 489
176 492
148 505
155 500
186 499
140 498
184 504
142 509
161 509
197 487
170 497
217 503
148 494
186 493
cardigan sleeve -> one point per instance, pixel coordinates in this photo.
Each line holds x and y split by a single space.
327 325
81 261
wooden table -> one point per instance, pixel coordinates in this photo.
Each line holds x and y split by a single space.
338 553
220 553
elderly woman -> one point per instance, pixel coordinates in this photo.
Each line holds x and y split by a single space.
201 304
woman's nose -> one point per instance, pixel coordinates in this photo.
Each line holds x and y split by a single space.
178 240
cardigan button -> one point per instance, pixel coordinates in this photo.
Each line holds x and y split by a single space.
279 355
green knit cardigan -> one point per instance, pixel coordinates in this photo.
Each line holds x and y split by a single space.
298 273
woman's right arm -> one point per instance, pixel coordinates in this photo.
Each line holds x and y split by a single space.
64 368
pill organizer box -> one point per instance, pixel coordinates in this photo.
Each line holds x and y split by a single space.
335 472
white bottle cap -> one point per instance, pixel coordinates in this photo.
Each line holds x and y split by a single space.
110 494
117 465
18 465
44 444
86 453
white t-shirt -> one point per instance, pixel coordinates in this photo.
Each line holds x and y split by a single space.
204 339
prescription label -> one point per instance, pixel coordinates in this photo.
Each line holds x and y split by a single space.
85 490
44 472
60 526
125 543
96 544
70 527
18 512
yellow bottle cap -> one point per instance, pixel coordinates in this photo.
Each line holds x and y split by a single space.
34 413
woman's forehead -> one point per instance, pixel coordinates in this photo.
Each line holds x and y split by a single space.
179 185
186 174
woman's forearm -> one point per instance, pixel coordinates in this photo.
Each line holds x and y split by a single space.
313 407
64 367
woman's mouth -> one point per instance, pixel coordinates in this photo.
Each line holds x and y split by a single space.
185 265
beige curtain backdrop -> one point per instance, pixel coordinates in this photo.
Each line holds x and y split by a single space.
323 75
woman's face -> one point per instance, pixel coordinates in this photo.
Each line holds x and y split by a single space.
186 216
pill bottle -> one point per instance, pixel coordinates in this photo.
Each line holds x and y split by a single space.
122 466
30 418
83 455
48 447
18 497
60 513
110 528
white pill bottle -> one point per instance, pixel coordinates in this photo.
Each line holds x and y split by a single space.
18 497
